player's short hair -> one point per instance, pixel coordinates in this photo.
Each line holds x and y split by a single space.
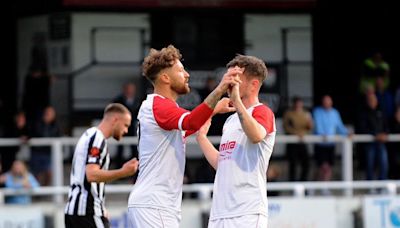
116 108
158 60
254 67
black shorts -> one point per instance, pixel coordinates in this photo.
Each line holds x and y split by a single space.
87 221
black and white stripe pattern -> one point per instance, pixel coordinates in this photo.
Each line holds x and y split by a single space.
86 198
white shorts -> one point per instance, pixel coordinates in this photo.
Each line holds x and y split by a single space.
248 221
140 217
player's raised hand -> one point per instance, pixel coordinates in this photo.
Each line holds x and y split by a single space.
234 94
230 78
203 131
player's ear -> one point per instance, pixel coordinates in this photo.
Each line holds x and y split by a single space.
255 83
115 118
164 77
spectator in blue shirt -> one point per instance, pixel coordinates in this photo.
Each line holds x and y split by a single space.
327 123
19 178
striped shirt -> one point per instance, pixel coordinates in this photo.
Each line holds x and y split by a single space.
87 198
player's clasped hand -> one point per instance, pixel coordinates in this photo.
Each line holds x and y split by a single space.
231 77
131 166
234 94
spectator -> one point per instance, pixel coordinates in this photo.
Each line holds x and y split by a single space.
373 67
362 97
327 123
131 101
17 129
394 147
273 175
41 155
385 98
36 95
297 121
19 178
397 97
361 107
2 177
372 121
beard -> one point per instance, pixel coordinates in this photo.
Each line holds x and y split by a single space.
180 89
117 136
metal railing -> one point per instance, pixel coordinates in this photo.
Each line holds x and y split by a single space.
204 191
346 184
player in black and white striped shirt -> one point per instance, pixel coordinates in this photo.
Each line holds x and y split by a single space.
89 172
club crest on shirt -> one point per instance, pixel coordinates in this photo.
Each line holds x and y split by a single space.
226 149
94 152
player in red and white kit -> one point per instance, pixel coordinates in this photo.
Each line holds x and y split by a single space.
248 137
155 200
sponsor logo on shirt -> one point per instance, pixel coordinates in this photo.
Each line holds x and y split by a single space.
226 149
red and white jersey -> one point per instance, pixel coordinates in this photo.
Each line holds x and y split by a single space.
240 182
161 147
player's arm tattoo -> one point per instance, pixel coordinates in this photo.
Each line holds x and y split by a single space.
240 115
213 98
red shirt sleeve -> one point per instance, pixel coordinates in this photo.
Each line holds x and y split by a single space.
265 117
169 116
167 113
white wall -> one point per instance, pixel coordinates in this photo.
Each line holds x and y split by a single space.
263 35
111 46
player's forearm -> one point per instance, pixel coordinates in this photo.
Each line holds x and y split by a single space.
253 130
201 113
209 150
213 98
197 117
104 175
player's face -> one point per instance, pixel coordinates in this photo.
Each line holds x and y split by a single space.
179 78
121 127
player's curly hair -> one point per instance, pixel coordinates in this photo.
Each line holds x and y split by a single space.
253 66
158 60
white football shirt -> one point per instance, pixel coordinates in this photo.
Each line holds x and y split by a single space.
240 182
162 152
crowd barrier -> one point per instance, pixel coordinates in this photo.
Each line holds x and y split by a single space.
367 211
346 184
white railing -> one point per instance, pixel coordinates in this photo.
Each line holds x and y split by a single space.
346 184
204 191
